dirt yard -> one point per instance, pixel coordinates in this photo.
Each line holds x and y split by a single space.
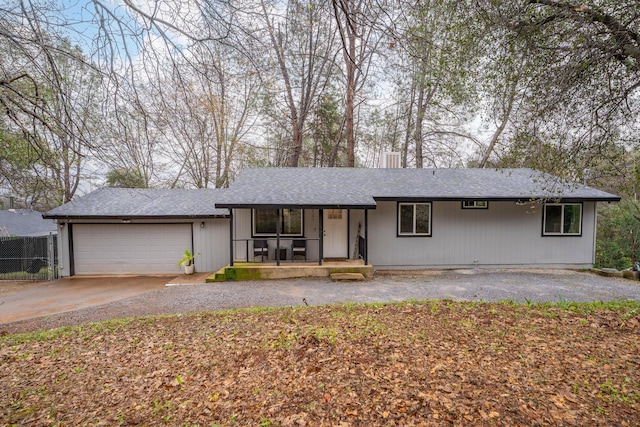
412 363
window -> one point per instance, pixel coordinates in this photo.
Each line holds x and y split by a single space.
562 219
334 213
265 220
414 219
475 204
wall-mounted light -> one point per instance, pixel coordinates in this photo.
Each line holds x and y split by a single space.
202 224
126 221
62 224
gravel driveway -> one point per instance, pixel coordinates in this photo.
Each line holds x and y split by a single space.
474 285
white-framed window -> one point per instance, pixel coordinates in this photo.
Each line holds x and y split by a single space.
562 219
265 220
414 219
334 213
475 204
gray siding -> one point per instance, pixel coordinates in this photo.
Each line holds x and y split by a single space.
63 250
503 235
212 243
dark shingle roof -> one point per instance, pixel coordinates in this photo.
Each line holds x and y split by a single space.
25 223
142 203
326 187
349 187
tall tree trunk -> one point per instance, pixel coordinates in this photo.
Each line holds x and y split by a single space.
351 83
417 135
503 123
407 138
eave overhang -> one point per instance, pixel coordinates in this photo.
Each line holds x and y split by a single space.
133 217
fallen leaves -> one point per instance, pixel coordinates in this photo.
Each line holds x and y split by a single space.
432 363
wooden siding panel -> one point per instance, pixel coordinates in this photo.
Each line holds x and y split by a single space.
212 243
63 250
505 234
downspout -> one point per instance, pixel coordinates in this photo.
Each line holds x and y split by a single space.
193 249
348 230
321 234
72 262
595 231
278 237
231 237
366 237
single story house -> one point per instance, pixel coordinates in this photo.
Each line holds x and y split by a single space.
140 231
391 218
417 218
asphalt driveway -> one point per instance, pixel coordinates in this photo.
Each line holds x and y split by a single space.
79 300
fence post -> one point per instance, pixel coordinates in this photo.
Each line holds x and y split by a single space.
51 267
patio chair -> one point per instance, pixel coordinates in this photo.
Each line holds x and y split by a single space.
298 248
260 248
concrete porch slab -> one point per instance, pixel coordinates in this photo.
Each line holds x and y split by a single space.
265 271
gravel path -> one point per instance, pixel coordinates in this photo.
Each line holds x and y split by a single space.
472 285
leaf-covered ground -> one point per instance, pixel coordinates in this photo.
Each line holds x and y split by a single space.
414 363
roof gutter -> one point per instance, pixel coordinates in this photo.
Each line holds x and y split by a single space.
291 206
498 199
124 217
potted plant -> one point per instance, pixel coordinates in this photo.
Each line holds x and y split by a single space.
187 262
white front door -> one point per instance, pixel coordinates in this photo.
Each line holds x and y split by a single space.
335 234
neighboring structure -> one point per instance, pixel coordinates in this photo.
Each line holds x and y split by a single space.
418 218
141 231
25 223
392 218
27 245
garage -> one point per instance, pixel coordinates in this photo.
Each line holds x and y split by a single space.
113 231
129 248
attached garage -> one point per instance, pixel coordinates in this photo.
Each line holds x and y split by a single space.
129 248
141 231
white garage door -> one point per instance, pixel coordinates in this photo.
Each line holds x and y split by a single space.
129 248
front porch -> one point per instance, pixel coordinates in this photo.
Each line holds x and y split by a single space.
270 270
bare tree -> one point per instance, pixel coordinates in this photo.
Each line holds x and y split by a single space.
434 54
48 92
206 115
301 43
357 22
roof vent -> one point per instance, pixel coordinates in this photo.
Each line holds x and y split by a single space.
390 161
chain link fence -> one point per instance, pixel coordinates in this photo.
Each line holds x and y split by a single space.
29 258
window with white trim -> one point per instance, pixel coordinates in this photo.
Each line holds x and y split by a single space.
265 221
562 219
414 219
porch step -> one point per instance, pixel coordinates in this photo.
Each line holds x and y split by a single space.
262 271
347 277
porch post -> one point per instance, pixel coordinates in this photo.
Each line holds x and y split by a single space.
321 233
231 237
278 237
366 237
348 231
